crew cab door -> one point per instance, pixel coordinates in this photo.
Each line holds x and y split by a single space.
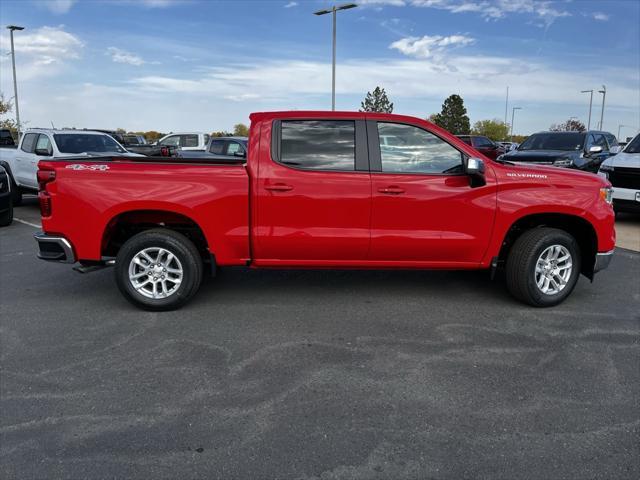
26 163
424 209
313 194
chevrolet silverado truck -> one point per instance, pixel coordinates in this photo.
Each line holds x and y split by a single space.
320 190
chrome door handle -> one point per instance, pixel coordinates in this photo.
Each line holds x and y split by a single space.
278 187
391 190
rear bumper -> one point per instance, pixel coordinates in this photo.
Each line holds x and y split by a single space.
602 261
54 248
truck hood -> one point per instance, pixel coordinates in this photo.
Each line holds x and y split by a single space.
628 160
540 156
523 171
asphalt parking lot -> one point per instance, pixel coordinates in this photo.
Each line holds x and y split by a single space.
316 374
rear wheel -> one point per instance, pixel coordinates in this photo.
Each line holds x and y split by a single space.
543 267
158 269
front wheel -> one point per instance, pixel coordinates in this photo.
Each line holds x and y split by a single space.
158 269
543 267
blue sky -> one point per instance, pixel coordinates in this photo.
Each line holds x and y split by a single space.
174 65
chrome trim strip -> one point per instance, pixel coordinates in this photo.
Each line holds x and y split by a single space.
70 257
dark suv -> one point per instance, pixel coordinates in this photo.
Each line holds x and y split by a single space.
484 145
581 150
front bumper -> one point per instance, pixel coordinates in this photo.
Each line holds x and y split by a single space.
54 248
602 261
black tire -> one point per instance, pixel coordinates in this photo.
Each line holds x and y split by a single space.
177 244
522 260
7 217
16 191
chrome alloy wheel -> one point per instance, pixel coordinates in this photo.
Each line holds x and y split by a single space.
155 272
553 269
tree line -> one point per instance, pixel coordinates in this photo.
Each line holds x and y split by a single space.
452 117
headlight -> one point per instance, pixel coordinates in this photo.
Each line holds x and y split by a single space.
605 170
563 162
606 194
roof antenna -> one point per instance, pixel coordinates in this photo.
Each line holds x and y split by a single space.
52 125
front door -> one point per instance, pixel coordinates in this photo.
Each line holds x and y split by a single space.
313 194
424 208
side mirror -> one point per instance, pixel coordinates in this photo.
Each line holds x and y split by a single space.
595 149
474 167
240 154
43 152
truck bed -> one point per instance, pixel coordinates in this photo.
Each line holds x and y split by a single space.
100 190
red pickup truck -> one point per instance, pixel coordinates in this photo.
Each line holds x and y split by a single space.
326 190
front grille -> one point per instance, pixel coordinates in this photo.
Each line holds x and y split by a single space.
625 178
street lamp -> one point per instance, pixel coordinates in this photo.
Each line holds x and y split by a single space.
513 113
333 10
590 104
604 94
12 28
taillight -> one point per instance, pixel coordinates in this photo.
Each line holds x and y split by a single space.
44 177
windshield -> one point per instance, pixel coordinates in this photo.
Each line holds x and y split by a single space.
634 145
554 141
85 143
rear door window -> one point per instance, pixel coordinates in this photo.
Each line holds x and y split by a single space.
482 142
29 142
217 147
189 141
318 144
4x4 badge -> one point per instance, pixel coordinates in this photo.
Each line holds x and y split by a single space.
80 166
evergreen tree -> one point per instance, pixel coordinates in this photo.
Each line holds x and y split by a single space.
377 102
453 116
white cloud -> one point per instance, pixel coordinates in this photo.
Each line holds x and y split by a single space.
544 11
429 46
45 46
601 17
58 6
122 56
291 5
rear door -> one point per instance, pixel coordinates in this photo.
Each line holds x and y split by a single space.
24 159
313 194
424 208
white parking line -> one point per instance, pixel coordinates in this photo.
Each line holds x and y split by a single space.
35 225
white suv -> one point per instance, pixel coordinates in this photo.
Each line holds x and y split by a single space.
44 144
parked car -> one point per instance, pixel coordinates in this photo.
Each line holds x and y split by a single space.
318 191
221 148
41 143
189 141
6 139
484 145
579 150
623 171
138 144
6 203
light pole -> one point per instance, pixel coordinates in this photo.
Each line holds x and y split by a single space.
333 10
513 113
590 104
12 28
506 106
604 94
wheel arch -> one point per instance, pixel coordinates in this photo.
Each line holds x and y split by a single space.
125 224
578 227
